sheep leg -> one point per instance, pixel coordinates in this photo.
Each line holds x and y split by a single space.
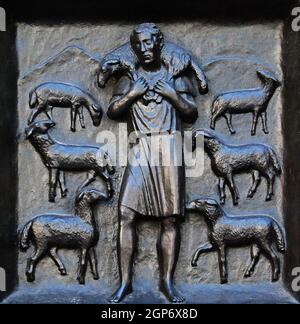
222 190
254 123
233 189
274 259
204 248
223 264
256 181
73 119
229 123
264 122
93 263
62 184
33 261
49 112
54 256
255 255
213 121
270 181
82 267
53 179
81 117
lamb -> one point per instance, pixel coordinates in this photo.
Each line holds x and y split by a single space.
262 232
227 160
46 96
255 101
122 62
58 157
49 232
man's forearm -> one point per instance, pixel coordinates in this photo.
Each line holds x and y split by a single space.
120 106
186 109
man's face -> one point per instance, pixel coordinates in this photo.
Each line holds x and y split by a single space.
147 48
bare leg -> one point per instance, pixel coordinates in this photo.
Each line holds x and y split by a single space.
204 248
223 265
126 250
264 122
255 254
254 123
93 263
229 124
256 181
32 263
62 184
168 247
57 261
53 179
222 191
82 267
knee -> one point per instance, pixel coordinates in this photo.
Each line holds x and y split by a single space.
126 215
170 224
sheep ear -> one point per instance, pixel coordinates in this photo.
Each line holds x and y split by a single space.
28 131
80 196
113 62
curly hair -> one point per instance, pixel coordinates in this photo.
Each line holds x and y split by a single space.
147 27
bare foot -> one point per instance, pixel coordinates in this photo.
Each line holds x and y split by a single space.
120 294
170 292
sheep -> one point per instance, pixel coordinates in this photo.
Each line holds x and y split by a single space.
227 160
122 61
262 232
49 232
245 101
46 96
58 157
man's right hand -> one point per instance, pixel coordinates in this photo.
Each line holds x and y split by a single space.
139 87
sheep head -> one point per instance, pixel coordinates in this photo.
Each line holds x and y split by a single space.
39 127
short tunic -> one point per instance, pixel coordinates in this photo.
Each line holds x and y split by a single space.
155 190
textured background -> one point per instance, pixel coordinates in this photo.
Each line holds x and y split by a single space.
230 55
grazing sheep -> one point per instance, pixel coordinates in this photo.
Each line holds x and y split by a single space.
262 232
48 95
227 160
253 101
49 232
59 157
122 61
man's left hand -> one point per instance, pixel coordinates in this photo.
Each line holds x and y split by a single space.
165 89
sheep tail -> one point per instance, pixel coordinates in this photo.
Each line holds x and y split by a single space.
24 236
275 162
33 99
280 237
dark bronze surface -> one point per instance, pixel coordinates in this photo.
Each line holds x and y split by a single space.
221 52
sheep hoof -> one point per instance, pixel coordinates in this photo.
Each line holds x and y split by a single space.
30 277
63 272
194 264
81 280
253 133
248 274
52 199
73 130
269 198
275 278
250 194
224 281
222 202
96 277
233 132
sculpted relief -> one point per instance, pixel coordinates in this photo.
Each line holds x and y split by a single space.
155 87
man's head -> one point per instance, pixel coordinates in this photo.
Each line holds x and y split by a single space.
147 42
